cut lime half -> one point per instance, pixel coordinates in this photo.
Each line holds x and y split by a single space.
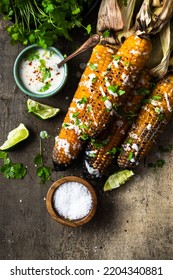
117 179
15 136
40 110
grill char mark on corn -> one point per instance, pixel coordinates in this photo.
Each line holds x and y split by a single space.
100 152
118 81
68 144
150 123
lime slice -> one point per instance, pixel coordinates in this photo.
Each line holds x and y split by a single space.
40 110
15 136
117 179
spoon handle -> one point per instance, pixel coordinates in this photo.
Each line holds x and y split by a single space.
91 42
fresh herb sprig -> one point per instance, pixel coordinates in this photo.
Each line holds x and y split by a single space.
41 22
42 172
11 170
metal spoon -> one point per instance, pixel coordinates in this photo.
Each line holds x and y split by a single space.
91 42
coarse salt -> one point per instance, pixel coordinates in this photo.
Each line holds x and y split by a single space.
72 200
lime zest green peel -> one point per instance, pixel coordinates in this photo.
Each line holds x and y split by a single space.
117 179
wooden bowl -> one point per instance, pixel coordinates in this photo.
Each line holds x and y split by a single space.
60 219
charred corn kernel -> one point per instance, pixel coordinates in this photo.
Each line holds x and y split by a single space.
68 143
100 152
119 79
151 121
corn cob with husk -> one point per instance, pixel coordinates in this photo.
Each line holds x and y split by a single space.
150 123
68 144
124 70
100 152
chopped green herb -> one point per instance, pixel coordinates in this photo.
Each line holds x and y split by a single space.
45 87
127 63
92 154
129 141
98 145
116 57
89 108
113 151
156 97
83 100
121 92
75 115
33 56
115 89
83 126
104 98
93 66
130 155
66 125
94 80
157 110
84 136
106 34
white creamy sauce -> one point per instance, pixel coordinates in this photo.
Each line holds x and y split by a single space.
41 74
91 170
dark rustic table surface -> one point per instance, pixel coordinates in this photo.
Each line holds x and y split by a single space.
134 221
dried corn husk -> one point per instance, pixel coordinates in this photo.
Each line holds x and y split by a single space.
166 46
109 16
151 19
128 13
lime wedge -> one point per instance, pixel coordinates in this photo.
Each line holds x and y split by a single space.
117 179
15 136
40 110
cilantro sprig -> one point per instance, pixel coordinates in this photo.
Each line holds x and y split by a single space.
43 22
11 170
42 171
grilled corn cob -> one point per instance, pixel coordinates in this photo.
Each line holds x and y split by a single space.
100 152
151 121
120 77
68 144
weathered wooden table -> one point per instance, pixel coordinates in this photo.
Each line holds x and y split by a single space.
132 222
